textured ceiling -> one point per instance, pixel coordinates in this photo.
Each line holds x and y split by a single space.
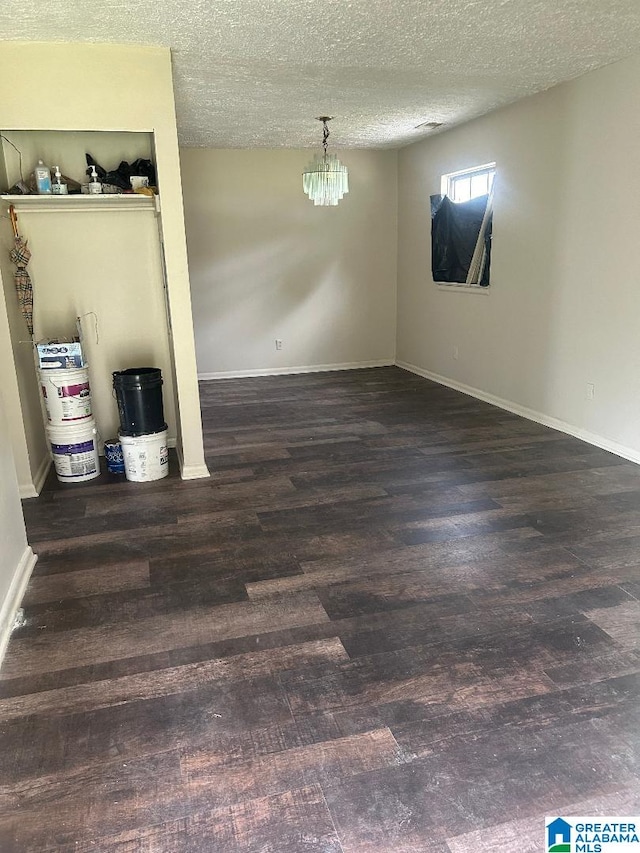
256 73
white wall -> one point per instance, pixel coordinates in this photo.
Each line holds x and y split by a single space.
266 264
564 302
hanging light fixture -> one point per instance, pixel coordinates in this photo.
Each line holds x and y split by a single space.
326 179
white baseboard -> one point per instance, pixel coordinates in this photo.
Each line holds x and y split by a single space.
27 490
194 472
41 473
14 596
32 490
285 371
538 417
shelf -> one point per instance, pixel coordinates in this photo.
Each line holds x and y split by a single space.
84 203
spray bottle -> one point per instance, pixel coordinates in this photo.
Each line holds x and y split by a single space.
59 188
95 187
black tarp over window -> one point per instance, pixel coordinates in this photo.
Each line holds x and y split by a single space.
455 228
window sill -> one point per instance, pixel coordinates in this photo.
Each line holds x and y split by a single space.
462 288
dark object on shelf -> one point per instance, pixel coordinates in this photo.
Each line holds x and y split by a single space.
91 165
20 188
73 187
139 396
120 177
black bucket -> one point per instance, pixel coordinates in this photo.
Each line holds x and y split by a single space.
139 395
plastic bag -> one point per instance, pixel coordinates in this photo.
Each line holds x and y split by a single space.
455 227
120 177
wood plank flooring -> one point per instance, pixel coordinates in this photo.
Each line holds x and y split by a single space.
395 620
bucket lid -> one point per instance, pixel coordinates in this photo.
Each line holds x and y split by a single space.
150 435
137 371
137 377
133 433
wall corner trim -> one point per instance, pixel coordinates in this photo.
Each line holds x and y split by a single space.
194 472
191 472
14 596
27 490
530 414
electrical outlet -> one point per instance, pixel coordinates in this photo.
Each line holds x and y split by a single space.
591 391
454 353
278 344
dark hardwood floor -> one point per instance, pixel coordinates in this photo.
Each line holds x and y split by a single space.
395 620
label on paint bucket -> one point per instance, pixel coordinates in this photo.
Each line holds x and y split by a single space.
74 402
61 353
66 395
81 390
74 460
146 457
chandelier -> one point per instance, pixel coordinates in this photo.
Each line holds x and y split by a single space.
325 180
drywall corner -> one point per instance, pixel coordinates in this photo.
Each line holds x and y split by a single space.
11 603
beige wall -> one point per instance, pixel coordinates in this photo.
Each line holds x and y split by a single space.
109 264
564 302
19 384
125 88
266 264
13 539
16 558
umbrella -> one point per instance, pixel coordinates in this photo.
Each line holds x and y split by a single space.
20 255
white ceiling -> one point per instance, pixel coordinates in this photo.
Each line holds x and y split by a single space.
256 73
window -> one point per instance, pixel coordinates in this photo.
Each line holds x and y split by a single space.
468 183
461 225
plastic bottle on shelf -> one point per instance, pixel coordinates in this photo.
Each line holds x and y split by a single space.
43 179
95 187
59 188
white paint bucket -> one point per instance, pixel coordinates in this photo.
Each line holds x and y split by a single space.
67 395
146 457
75 451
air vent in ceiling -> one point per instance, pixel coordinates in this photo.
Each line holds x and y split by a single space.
428 125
